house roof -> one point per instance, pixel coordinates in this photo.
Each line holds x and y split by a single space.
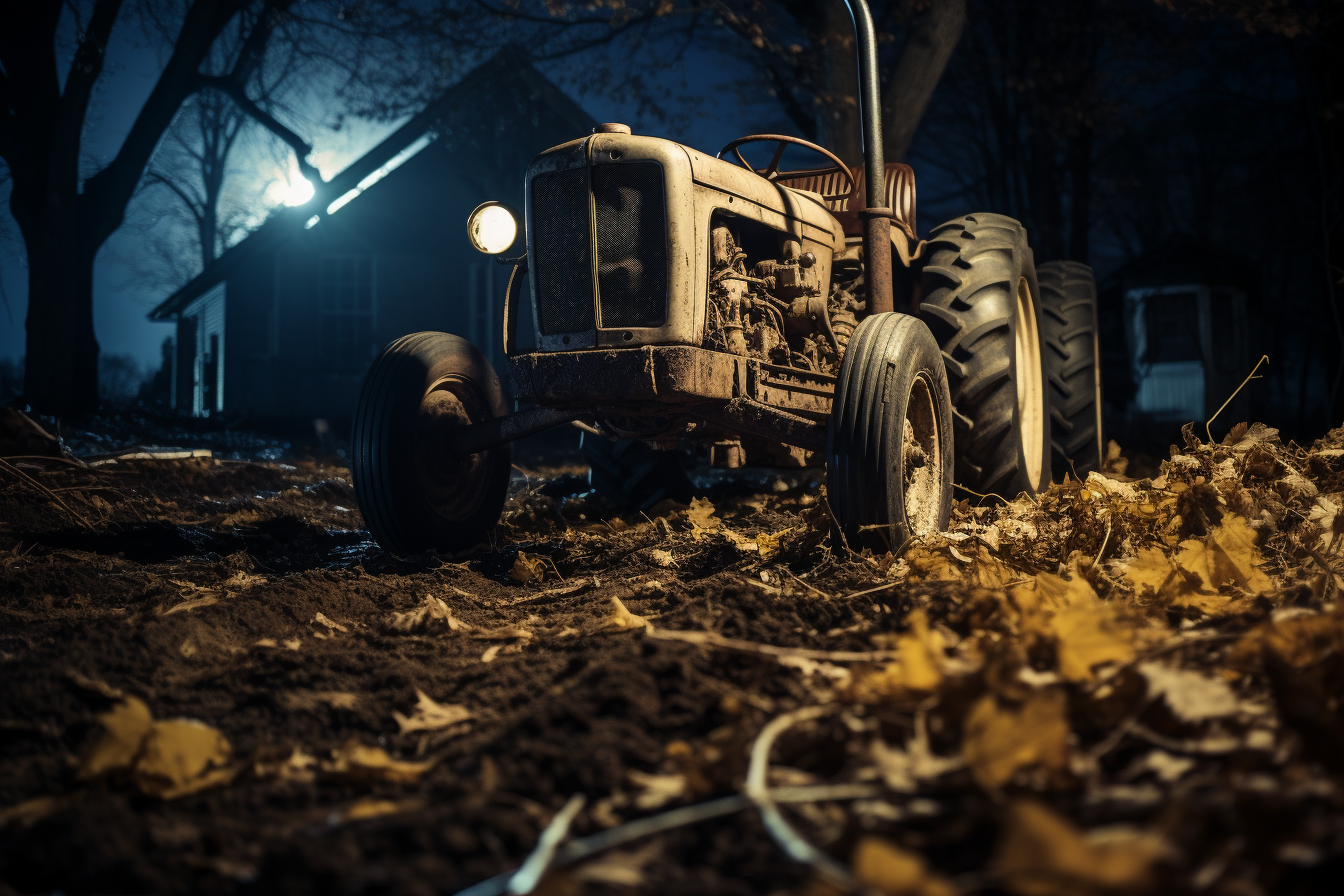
513 86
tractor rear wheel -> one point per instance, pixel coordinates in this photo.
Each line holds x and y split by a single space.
980 299
414 493
1072 366
889 445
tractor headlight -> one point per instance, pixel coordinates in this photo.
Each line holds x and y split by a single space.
492 227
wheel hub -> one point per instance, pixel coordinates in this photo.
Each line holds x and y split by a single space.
1030 388
922 460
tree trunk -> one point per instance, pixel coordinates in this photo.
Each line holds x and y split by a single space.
61 367
933 36
840 127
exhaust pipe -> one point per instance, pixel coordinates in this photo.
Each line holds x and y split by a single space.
876 215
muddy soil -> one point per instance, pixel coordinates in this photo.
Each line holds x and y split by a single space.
247 596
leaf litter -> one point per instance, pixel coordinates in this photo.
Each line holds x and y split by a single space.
1122 685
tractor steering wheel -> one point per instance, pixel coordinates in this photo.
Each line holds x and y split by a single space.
771 172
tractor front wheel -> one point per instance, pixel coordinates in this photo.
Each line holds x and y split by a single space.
414 493
889 445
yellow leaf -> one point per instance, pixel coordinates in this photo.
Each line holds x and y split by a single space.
1001 738
701 516
1085 628
621 619
430 715
528 569
1150 570
125 727
182 756
919 659
356 762
893 871
1043 854
768 542
662 558
1238 560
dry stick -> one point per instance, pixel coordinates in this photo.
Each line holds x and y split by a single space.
528 875
805 584
1264 359
713 639
6 465
757 791
577 850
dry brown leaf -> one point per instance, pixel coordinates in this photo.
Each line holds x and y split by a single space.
29 812
1085 628
768 543
365 809
430 715
429 615
1149 571
310 700
321 619
895 871
528 568
621 619
356 762
1043 854
1001 738
125 727
701 517
662 558
182 756
917 668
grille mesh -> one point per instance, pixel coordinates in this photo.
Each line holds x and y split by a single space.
563 251
631 244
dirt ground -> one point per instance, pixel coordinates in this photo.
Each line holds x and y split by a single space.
212 681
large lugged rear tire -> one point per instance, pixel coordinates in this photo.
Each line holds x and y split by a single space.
889 445
415 495
1072 366
981 302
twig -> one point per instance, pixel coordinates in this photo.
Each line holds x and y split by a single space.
6 465
757 791
528 875
1264 359
806 585
713 639
577 850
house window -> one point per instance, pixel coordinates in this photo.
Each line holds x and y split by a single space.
346 286
1173 328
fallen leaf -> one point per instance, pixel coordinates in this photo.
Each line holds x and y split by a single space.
194 603
1001 738
182 756
29 812
310 700
1085 628
292 643
125 727
1042 854
662 558
621 619
430 715
768 543
917 668
528 568
431 614
701 517
363 810
321 619
359 763
895 871
1191 696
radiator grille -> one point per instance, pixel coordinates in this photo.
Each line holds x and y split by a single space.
562 245
631 244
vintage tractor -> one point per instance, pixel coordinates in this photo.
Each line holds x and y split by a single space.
680 297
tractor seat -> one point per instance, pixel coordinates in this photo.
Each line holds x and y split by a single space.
900 196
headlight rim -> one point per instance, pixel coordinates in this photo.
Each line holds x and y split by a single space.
475 214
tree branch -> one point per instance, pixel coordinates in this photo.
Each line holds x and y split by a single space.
235 92
191 202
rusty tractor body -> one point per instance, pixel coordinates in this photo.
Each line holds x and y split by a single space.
678 296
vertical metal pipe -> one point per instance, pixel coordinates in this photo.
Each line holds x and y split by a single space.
876 216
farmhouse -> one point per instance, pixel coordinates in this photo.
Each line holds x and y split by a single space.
285 323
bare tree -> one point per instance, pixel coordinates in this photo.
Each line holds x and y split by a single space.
63 216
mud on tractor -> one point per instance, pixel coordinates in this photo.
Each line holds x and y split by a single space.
681 297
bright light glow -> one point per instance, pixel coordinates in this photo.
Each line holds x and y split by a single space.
492 228
298 191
